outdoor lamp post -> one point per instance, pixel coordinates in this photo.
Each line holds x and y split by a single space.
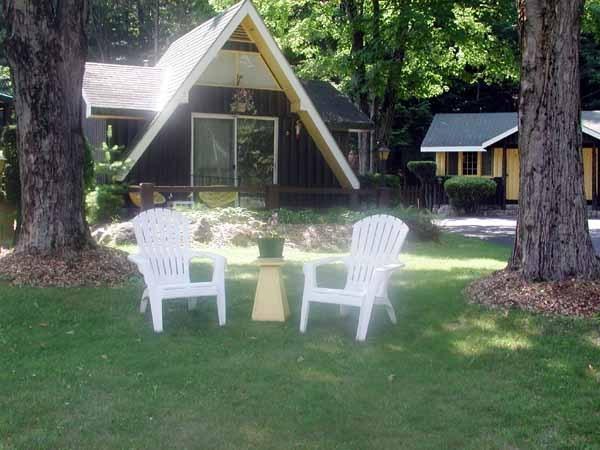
384 154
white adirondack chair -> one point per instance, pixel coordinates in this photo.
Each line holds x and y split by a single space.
376 244
163 237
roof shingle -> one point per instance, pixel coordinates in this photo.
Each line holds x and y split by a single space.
335 108
123 87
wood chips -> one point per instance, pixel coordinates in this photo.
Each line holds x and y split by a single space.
506 290
98 266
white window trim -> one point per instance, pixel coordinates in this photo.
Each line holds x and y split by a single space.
234 117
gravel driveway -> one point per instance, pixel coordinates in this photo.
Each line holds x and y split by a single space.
500 230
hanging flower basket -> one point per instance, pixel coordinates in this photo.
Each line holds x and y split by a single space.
242 102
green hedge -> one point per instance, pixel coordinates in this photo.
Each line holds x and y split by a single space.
424 170
371 180
469 193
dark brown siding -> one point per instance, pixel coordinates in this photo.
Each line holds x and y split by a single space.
94 131
167 160
124 131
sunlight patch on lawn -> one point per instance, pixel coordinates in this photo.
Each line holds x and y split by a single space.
464 323
414 262
593 339
475 347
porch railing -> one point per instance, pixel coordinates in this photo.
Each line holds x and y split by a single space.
428 197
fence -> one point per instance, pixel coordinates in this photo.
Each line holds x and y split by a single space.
427 196
273 194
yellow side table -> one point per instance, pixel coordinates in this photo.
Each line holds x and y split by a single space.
270 301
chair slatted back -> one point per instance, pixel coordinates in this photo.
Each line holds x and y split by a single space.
163 237
376 241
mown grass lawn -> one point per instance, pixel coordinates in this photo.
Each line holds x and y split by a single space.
81 368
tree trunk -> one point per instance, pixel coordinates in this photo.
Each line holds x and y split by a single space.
46 47
553 241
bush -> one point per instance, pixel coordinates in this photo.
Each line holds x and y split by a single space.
469 193
424 170
373 180
10 181
104 203
89 176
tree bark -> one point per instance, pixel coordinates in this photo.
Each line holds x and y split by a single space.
46 47
553 241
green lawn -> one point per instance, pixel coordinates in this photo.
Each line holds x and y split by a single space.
81 368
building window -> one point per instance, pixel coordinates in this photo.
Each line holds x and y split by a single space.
469 163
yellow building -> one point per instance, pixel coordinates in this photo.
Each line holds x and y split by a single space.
486 144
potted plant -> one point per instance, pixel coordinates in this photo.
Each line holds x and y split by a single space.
270 242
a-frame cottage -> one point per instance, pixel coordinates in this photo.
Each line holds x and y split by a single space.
222 106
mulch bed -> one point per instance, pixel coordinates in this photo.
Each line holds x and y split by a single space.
98 266
507 290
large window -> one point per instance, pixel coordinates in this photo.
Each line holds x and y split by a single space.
230 150
235 68
469 163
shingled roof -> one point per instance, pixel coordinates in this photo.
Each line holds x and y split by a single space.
476 131
185 53
117 86
335 108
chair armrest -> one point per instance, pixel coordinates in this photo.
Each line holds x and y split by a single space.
382 275
310 268
219 262
389 268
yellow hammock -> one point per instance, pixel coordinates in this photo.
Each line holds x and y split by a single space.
217 199
136 198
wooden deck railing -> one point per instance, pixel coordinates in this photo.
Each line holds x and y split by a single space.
428 196
271 193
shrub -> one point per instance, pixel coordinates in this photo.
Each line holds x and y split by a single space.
10 184
372 180
89 176
424 170
469 193
104 203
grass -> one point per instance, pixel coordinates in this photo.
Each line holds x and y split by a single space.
81 368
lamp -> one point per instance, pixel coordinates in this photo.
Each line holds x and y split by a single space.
384 153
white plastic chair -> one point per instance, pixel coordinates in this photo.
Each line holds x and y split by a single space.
163 237
376 244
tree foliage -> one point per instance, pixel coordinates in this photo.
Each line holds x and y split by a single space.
131 31
385 52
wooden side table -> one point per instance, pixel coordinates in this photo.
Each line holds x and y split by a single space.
270 301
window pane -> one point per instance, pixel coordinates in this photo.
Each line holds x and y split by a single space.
213 152
254 73
221 71
255 152
470 163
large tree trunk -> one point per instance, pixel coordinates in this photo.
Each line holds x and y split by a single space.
46 49
553 241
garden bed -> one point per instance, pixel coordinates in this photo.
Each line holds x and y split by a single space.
307 230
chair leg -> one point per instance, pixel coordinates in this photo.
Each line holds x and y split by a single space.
157 313
144 302
390 310
304 311
221 306
364 318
